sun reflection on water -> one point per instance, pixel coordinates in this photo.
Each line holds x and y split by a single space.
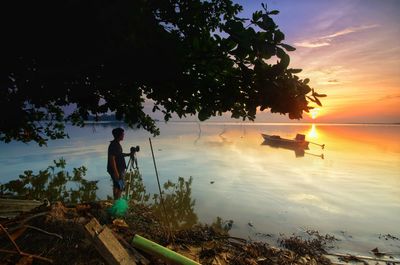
312 133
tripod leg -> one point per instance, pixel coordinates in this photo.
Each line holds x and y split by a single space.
127 181
133 168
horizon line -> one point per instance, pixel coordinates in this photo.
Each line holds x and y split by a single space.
258 123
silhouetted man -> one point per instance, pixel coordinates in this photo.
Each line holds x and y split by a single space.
116 165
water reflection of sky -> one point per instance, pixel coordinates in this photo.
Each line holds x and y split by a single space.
355 188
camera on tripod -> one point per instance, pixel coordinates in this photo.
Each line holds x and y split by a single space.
135 149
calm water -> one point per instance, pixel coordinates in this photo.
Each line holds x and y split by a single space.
353 193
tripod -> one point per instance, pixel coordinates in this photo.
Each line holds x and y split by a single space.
133 169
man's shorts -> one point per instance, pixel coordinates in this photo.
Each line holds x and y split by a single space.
118 184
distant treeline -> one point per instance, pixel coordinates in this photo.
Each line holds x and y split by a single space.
104 117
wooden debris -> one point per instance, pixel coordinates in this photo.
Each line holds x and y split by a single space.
18 232
10 208
139 257
43 231
107 245
25 261
349 257
120 223
206 244
18 250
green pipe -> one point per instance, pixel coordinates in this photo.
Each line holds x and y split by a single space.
164 253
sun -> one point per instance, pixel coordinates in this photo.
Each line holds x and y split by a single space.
314 113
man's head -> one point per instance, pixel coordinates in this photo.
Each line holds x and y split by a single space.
118 134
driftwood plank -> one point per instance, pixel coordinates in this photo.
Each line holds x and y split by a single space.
10 208
107 245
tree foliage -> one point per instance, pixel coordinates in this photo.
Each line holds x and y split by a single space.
188 57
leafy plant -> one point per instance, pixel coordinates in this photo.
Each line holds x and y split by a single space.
138 192
178 203
53 184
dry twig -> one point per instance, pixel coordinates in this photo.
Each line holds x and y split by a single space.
18 250
363 258
43 231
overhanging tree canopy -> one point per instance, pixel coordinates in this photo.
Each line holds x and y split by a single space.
189 57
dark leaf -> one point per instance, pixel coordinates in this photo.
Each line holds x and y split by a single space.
256 16
267 23
280 53
203 115
278 36
285 59
273 12
310 98
287 47
294 71
319 95
264 5
318 102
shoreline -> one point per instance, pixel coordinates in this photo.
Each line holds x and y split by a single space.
204 243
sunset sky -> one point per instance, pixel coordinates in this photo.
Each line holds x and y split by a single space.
350 49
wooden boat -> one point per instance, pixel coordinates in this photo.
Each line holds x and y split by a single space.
276 141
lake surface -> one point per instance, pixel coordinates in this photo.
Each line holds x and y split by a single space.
353 192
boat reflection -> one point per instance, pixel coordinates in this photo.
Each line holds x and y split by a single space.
298 151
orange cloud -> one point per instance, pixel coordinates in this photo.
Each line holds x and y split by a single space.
326 40
312 44
349 30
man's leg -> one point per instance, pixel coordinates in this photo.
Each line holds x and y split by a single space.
117 186
117 193
116 190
